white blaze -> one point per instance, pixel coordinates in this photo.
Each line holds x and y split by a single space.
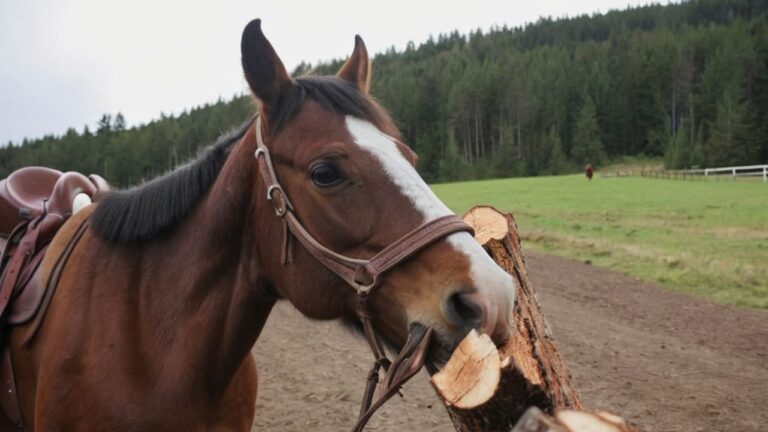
484 272
399 170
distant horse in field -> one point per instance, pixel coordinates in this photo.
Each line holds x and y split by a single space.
316 202
589 171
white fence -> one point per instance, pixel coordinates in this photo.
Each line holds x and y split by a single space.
691 174
744 171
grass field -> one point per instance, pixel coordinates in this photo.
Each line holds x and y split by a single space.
706 238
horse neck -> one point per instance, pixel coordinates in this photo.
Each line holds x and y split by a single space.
213 296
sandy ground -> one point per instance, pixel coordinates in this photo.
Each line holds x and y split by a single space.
664 361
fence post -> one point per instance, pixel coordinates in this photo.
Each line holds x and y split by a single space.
765 174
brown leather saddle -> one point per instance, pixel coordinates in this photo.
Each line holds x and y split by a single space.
34 203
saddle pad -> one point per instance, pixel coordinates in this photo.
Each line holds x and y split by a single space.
25 305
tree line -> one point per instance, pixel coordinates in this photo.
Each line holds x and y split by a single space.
687 82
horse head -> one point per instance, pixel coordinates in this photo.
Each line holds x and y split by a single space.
353 186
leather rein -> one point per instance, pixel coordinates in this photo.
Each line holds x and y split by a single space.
364 276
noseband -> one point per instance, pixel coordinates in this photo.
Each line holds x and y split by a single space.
364 276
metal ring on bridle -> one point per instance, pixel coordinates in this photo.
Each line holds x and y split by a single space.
364 280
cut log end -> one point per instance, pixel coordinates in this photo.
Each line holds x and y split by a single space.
488 223
580 421
471 376
534 420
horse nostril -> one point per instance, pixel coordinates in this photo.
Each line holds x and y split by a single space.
463 311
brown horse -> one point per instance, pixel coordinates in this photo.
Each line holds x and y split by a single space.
162 299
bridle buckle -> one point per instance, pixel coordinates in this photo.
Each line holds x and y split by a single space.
276 195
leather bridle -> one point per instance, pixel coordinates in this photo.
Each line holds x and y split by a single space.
364 275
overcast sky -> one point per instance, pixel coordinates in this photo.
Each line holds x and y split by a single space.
65 62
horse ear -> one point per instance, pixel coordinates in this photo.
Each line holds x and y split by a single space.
263 69
357 69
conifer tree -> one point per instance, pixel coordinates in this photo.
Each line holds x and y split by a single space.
730 135
587 147
556 163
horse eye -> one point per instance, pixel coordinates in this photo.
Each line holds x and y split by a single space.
325 175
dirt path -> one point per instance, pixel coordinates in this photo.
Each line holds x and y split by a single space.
665 361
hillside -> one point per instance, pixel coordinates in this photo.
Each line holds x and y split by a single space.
685 81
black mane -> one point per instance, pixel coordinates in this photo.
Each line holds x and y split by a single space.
150 210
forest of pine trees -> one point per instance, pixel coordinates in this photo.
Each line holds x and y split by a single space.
687 82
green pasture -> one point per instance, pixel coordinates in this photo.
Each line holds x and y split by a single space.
703 237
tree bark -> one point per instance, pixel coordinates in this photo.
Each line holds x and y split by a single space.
482 394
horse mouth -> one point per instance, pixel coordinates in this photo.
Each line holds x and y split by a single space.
439 351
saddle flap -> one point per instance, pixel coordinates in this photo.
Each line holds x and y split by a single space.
26 302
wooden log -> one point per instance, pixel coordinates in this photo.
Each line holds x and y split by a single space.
530 370
534 420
